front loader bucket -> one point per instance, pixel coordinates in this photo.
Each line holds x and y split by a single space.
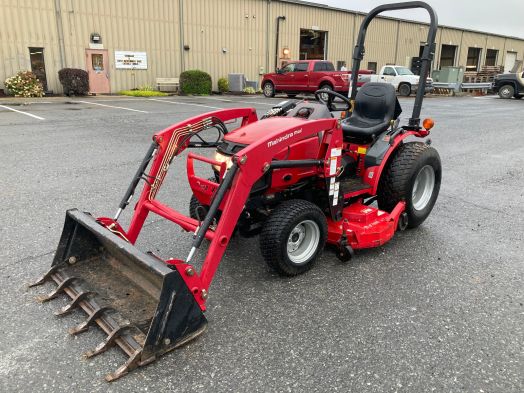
142 304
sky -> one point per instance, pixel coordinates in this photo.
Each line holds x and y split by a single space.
504 17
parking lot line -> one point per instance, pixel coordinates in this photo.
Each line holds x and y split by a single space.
112 106
257 103
22 112
240 102
218 99
185 103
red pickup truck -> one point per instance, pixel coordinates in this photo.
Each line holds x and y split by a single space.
307 76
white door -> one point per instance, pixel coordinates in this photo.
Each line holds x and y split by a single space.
511 58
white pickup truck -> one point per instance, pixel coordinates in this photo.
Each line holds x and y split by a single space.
402 79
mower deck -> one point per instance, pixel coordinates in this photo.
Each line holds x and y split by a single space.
364 226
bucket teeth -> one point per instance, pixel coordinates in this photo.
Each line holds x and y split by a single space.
60 288
82 327
74 303
46 276
131 363
109 341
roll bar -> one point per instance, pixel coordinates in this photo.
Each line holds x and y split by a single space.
427 54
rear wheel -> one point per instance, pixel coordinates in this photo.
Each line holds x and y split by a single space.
269 89
506 91
293 237
404 89
413 175
326 86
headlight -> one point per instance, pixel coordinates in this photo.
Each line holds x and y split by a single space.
219 157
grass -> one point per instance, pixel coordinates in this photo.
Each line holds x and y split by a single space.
142 93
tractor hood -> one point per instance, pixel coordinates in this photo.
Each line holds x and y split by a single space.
262 129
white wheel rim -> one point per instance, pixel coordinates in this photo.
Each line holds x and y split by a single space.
325 96
505 92
268 89
423 187
303 241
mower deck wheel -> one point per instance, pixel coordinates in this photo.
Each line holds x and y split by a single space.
293 237
413 175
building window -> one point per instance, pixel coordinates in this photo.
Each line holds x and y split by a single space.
372 65
491 57
36 57
473 59
313 44
447 55
97 61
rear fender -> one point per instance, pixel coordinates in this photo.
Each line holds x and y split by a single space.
373 173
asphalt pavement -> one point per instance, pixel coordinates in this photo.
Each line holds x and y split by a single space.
439 308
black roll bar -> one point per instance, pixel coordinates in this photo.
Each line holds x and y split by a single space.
427 54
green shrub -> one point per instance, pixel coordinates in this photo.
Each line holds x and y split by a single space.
24 84
223 85
74 81
142 93
195 82
249 90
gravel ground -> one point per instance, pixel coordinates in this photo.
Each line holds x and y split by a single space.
439 308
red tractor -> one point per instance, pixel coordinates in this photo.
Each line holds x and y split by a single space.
299 178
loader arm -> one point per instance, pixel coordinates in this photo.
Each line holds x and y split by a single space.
250 164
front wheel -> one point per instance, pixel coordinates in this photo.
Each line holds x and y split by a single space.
269 89
293 237
413 175
506 91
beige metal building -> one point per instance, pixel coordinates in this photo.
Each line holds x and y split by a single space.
124 44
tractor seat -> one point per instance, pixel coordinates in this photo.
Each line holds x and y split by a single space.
376 105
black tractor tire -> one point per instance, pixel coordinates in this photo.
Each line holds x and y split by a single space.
294 223
404 89
268 88
412 175
194 204
506 91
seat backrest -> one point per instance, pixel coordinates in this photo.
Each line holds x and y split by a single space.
376 101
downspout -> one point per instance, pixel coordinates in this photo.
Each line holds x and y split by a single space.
279 18
181 33
267 34
60 31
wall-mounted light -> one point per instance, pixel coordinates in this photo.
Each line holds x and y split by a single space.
224 50
96 38
285 52
186 47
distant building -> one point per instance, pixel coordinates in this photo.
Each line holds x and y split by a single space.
124 44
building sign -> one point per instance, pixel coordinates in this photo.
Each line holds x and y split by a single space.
130 60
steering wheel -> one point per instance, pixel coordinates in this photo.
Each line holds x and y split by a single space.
321 94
